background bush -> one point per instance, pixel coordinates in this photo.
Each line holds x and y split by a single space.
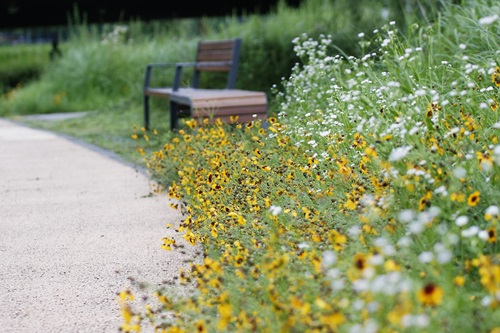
21 63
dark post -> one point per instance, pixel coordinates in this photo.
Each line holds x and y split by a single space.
55 52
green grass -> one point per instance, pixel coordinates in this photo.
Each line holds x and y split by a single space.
21 63
110 130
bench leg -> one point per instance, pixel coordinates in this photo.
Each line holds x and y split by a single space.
174 116
146 112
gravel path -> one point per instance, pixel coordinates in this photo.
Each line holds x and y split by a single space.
74 225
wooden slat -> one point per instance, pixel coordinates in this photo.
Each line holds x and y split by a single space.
214 45
215 51
215 55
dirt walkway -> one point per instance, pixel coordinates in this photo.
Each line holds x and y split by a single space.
74 225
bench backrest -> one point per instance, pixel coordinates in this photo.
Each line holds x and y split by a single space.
227 52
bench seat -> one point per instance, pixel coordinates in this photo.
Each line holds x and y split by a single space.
217 103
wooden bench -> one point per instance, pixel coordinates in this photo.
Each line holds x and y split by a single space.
205 103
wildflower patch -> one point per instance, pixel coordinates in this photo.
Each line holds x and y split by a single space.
369 203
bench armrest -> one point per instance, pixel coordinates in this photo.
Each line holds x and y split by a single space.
149 69
178 70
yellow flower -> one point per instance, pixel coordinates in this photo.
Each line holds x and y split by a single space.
225 315
425 201
473 199
494 105
134 136
492 235
495 77
332 320
392 266
200 327
370 151
458 197
167 242
430 295
459 280
190 123
239 260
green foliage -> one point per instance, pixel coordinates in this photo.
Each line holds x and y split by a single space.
104 65
20 64
369 203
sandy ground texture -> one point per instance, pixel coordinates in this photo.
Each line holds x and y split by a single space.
74 226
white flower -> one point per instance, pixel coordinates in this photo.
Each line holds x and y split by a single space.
354 231
399 153
329 258
462 46
486 301
406 215
376 260
333 273
487 20
419 92
441 190
324 133
483 234
360 285
421 320
461 220
492 210
425 257
275 210
472 231
459 172
361 35
444 256
404 241
416 227
338 284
